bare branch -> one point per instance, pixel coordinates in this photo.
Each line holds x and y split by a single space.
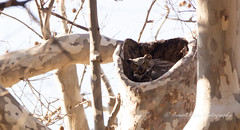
83 73
19 98
95 58
22 23
31 15
70 29
63 12
115 111
61 17
108 88
192 2
46 25
178 12
165 18
146 20
189 20
17 117
12 3
39 14
33 92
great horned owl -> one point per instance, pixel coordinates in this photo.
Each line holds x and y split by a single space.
160 67
146 69
141 68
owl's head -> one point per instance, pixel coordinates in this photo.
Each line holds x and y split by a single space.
141 64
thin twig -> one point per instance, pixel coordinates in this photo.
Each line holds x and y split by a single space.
11 3
39 14
178 17
186 11
21 22
31 15
165 18
41 78
192 4
70 29
146 20
83 73
182 20
20 99
88 102
61 17
39 94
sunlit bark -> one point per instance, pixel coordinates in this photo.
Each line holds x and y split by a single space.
53 54
217 101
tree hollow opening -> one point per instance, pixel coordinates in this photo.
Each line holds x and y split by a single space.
145 62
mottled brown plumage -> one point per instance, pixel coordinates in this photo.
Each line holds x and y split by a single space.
160 67
146 69
141 68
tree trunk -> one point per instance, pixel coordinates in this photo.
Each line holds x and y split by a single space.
72 103
217 102
95 59
72 106
163 103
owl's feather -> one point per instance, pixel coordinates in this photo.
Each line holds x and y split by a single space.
146 69
141 68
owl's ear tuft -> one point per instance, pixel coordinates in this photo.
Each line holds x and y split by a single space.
148 56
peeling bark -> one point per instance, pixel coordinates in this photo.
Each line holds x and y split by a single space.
95 59
75 118
68 79
13 116
52 54
164 103
217 102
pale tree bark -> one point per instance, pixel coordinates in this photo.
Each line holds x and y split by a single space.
75 119
95 59
72 106
63 12
15 117
148 105
68 49
114 112
217 101
53 54
163 103
112 102
110 93
46 21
